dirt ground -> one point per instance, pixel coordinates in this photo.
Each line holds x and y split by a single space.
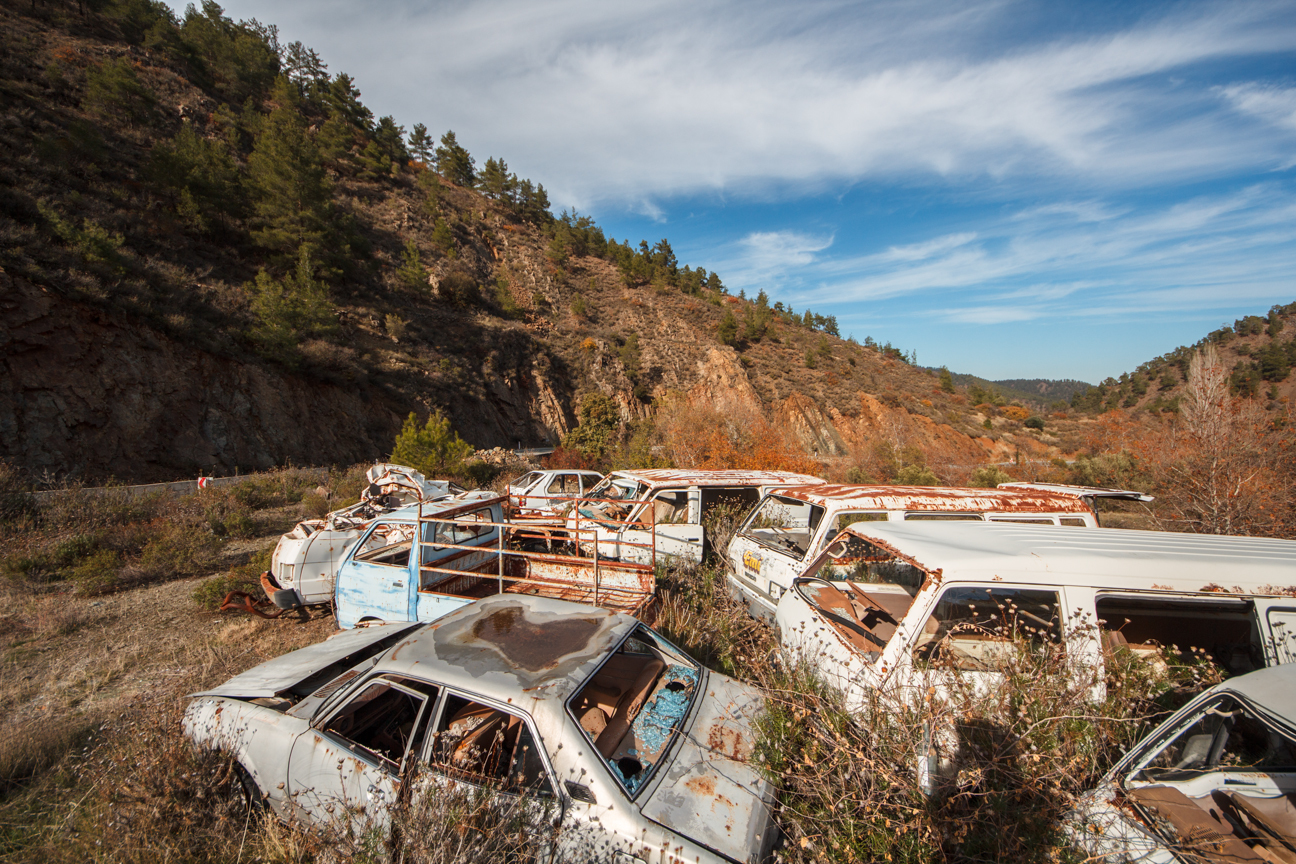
69 659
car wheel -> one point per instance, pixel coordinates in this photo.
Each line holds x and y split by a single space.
243 796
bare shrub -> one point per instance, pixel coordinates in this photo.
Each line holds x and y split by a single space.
697 613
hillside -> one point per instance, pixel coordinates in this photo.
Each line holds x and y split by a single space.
217 259
1259 351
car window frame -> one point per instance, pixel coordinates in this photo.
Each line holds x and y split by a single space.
429 740
322 719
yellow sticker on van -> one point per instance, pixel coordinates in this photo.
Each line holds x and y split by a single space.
752 562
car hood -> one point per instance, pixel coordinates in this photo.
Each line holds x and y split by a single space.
712 793
278 676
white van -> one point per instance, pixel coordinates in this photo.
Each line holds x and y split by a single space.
791 526
630 510
887 599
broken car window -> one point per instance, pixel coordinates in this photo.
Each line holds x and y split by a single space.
632 706
463 531
934 516
485 745
1225 736
971 628
379 723
388 543
785 524
1220 629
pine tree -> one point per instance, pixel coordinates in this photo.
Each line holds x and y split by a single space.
342 97
435 449
454 162
946 380
291 309
728 331
412 271
391 138
443 238
291 195
495 181
420 144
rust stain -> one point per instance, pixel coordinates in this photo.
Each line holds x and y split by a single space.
939 498
702 785
728 742
530 646
716 477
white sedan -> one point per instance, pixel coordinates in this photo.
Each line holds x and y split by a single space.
646 754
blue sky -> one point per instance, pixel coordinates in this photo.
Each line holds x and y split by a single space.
1011 189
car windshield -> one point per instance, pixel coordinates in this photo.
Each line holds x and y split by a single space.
631 708
525 480
616 488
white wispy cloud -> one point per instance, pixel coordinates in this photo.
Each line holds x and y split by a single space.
613 102
1209 252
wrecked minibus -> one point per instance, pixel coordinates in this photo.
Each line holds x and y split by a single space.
887 602
637 515
623 747
425 560
789 527
304 563
1215 782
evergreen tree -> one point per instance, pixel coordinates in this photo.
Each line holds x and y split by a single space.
435 449
454 162
728 331
495 181
946 380
290 310
443 238
391 139
420 144
412 271
202 174
290 193
304 67
343 99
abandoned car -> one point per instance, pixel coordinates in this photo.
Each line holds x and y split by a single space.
889 601
304 564
638 515
547 492
789 527
641 753
423 561
1215 782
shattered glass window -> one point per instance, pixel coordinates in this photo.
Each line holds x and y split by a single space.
631 708
785 524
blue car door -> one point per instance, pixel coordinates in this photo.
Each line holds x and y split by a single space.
374 581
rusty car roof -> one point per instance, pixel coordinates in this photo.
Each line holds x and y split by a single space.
939 498
716 477
509 644
1098 557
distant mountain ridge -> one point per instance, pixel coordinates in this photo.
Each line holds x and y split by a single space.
1039 393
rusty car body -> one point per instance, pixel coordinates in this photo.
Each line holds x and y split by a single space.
644 754
640 514
886 600
1215 782
547 492
424 561
789 527
303 566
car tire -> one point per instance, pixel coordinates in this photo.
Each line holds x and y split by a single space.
245 797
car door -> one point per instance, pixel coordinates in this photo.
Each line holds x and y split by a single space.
346 769
374 582
673 518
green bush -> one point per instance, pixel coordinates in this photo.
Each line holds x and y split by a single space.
988 477
916 475
114 90
434 449
179 552
290 310
1034 423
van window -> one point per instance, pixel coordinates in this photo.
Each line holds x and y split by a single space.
858 560
785 523
1074 521
938 516
844 519
466 529
388 543
1227 736
1024 520
669 508
729 503
1221 630
973 627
